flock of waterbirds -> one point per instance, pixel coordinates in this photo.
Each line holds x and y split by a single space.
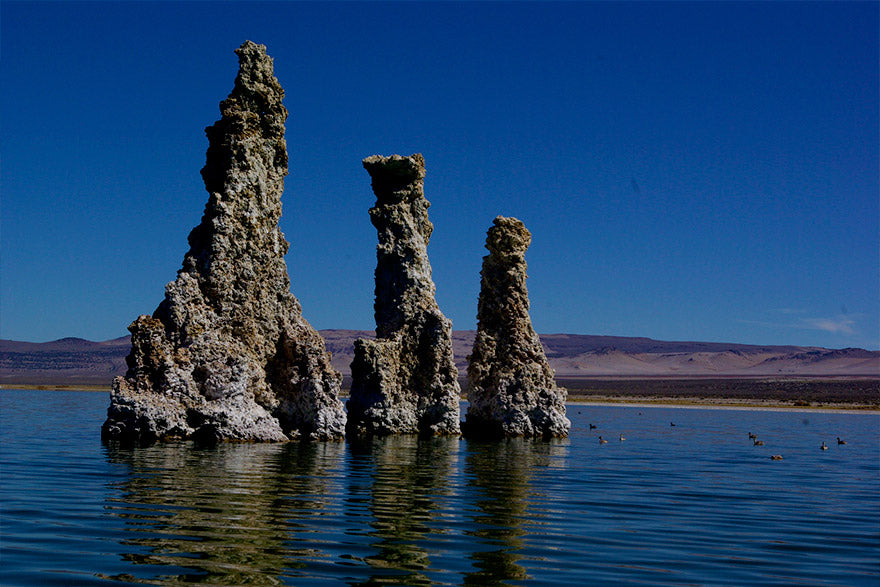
752 436
756 442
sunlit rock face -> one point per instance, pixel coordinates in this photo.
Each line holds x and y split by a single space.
511 389
405 381
227 355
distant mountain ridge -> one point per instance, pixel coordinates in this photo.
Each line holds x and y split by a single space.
75 361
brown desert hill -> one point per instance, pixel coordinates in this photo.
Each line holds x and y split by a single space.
68 361
74 361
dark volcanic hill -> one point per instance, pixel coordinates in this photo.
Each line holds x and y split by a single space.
74 361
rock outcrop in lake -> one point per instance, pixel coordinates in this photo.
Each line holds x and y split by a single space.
511 390
405 381
228 355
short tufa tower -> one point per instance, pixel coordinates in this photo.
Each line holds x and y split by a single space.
511 387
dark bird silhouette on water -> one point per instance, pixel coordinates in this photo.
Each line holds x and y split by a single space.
839 441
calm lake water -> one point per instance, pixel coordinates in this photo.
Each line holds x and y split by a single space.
690 504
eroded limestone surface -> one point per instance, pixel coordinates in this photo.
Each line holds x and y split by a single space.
511 389
405 381
227 355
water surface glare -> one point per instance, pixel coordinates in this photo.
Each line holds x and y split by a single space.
691 504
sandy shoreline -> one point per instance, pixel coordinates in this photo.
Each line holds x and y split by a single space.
720 404
42 387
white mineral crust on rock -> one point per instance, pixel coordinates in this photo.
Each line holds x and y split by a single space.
511 387
228 355
405 381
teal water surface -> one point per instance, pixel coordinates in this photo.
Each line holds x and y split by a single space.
691 504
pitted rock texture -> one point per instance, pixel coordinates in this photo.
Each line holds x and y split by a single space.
405 381
511 390
227 355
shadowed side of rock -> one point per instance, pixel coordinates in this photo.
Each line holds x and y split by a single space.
227 355
511 389
405 381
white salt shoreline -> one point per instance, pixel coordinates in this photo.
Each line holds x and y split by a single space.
723 405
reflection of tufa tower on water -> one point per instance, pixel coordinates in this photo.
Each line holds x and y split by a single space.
406 380
510 383
228 354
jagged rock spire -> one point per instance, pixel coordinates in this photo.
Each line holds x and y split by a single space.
227 354
511 389
406 380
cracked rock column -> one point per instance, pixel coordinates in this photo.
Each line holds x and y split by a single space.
511 387
405 381
228 355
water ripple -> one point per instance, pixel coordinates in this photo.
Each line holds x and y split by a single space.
692 504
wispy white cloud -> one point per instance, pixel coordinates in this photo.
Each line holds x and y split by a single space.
841 329
764 323
839 325
789 311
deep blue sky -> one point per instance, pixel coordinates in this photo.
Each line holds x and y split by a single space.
703 171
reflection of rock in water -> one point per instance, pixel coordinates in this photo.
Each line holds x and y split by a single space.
501 472
225 515
407 477
382 510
